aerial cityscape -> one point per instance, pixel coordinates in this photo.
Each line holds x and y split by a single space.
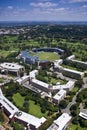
43 65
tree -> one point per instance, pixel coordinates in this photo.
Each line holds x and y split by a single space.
63 104
18 126
1 117
75 120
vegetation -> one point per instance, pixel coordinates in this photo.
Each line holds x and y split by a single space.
1 116
26 100
49 78
75 127
1 80
71 38
47 56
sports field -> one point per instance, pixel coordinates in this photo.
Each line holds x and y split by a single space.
52 56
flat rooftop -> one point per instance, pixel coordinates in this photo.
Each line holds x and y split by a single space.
11 66
60 94
38 82
31 119
60 123
73 71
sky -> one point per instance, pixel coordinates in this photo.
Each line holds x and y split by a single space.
43 10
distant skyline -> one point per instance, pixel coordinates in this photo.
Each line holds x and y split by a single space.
43 10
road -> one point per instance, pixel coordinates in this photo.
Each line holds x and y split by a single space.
67 109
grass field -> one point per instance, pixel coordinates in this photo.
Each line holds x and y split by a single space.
46 56
1 80
18 99
76 127
34 109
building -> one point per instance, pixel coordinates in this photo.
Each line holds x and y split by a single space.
57 50
57 63
83 115
70 57
80 64
7 106
27 58
23 79
68 86
33 73
61 123
72 73
15 114
12 68
32 122
41 85
59 96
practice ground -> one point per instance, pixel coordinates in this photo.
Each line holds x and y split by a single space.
52 56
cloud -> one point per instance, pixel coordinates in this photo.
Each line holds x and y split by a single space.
43 4
77 1
10 7
84 6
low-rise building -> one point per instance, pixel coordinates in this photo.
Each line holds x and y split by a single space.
12 68
32 122
41 85
23 79
80 64
83 115
72 73
68 86
14 114
59 96
33 73
61 123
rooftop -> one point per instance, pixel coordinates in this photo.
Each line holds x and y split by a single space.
74 71
31 119
12 66
60 94
38 82
60 123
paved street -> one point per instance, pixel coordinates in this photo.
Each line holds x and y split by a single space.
67 109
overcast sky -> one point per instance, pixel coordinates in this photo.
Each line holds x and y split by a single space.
43 10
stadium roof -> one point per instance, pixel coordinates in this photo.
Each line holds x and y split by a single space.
27 55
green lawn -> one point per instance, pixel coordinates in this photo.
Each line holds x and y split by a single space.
75 89
18 99
35 109
46 56
75 127
55 81
1 80
4 53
